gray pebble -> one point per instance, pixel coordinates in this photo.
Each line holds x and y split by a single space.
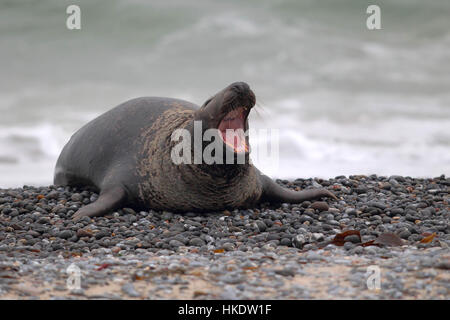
128 288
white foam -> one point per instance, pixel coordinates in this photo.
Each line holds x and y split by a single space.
386 141
28 154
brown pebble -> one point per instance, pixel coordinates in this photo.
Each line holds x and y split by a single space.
320 205
83 233
115 250
389 239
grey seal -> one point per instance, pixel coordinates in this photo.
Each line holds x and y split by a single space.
126 153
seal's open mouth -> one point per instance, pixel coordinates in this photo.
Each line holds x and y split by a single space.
232 129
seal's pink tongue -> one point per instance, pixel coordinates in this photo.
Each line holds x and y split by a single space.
232 130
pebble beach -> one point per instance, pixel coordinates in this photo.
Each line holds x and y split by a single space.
284 251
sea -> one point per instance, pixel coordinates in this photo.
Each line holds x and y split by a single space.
342 98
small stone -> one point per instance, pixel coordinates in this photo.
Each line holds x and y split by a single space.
56 246
313 256
33 233
77 292
370 250
175 243
317 236
261 225
405 234
357 250
348 245
273 236
270 246
66 234
84 233
76 197
228 246
115 249
286 272
316 185
43 220
299 241
52 195
352 238
232 278
286 242
361 190
128 288
377 204
320 206
85 220
196 242
443 264
102 234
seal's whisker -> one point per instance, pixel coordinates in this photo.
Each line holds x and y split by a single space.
259 110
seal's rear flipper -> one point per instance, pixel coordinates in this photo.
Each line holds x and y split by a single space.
272 192
109 200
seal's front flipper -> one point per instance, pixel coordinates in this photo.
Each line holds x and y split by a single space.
272 192
109 200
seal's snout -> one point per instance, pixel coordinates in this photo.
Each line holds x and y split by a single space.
238 100
240 92
240 87
227 111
